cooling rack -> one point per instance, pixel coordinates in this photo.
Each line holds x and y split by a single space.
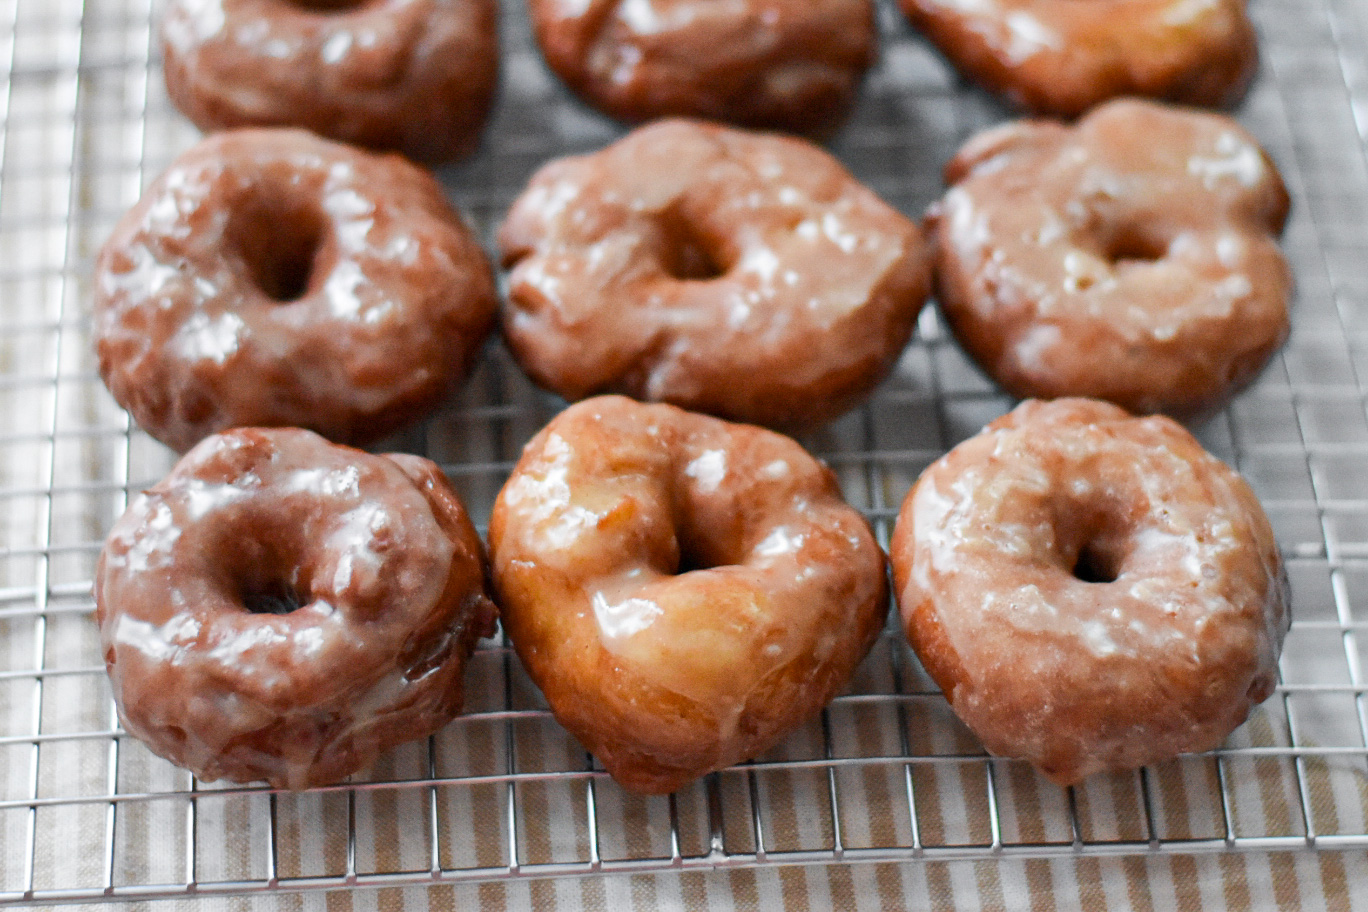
885 773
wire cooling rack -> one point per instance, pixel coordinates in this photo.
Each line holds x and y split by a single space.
885 773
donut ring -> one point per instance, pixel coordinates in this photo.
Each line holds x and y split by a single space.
744 275
282 608
792 65
1091 591
273 278
1062 57
683 590
1131 258
410 76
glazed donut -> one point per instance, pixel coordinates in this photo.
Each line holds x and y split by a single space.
683 590
1062 57
744 275
282 608
1091 591
792 65
273 278
409 76
1132 258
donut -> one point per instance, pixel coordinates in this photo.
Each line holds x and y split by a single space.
1091 591
283 608
1063 57
744 275
793 65
1131 258
269 277
410 76
683 590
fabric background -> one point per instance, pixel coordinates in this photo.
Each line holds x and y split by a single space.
1277 819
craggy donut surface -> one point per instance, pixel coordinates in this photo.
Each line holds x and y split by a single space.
1062 57
1092 591
778 64
1132 258
273 278
744 275
683 590
282 608
410 76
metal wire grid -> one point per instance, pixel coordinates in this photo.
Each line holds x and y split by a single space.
885 773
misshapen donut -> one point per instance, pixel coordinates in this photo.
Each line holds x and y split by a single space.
410 76
1091 591
744 275
1131 258
777 64
1062 57
281 608
273 278
683 590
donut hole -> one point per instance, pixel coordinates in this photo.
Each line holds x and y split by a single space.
1096 538
695 554
1096 564
1133 247
270 597
688 253
280 242
330 6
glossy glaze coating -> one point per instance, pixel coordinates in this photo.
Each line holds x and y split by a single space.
1062 57
376 556
1092 591
1133 258
273 278
683 590
777 64
740 274
410 76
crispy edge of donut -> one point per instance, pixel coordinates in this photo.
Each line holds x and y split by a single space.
1199 84
931 643
639 769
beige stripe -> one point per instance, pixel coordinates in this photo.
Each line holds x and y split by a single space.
1173 791
877 796
793 886
493 897
745 894
693 887
889 881
390 899
485 802
1235 882
636 822
1040 885
592 893
1286 890
534 817
1185 887
384 823
441 899
644 892
339 901
1271 777
1091 894
989 885
939 885
1137 884
543 895
1026 798
288 835
777 796
842 887
1334 882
